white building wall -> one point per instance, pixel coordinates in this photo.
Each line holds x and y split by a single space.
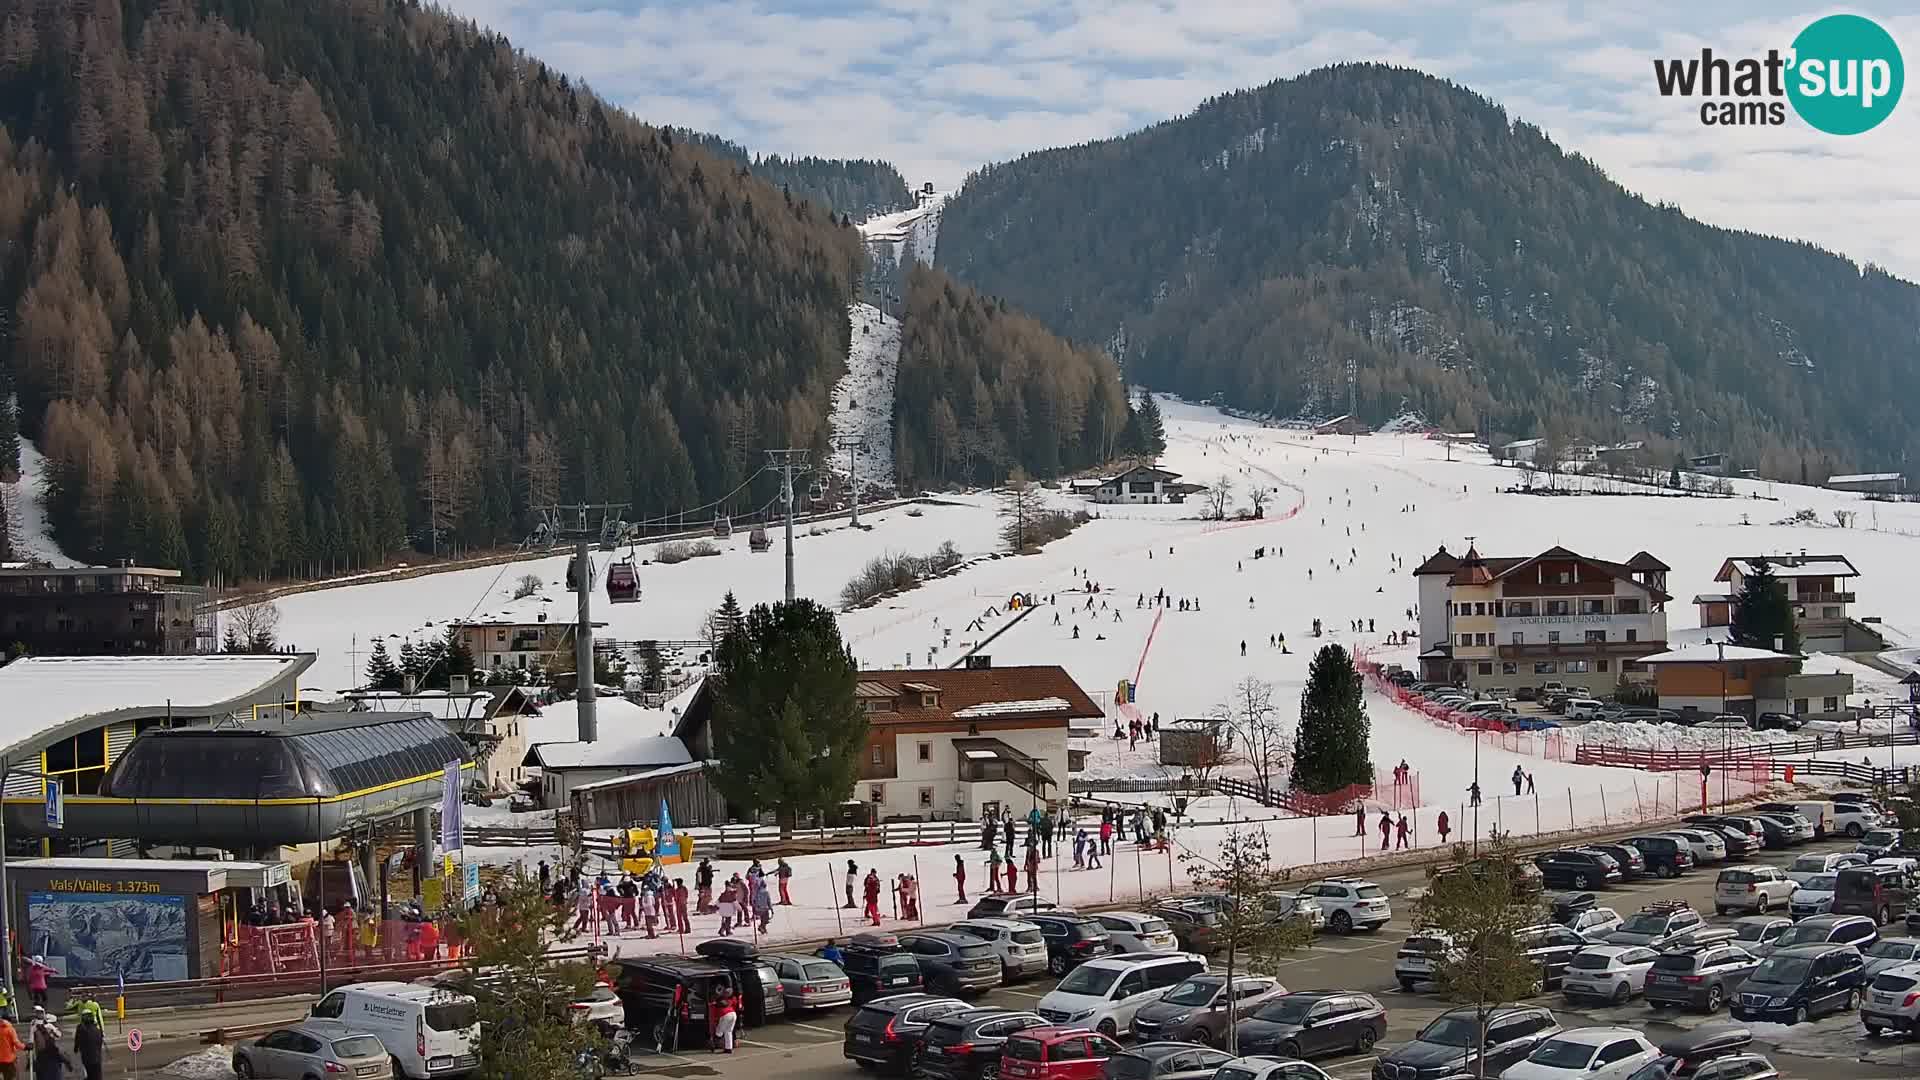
1433 611
941 773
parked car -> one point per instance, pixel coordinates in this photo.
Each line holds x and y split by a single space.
1744 825
1878 842
1551 946
1577 869
1593 1053
1633 863
1292 905
310 1049
886 1033
1889 953
1104 994
809 982
953 963
1133 931
1807 866
1192 925
1666 856
1197 1009
1071 940
1706 847
1657 925
1012 906
1778 721
1165 1061
1595 924
1419 957
1451 1046
1855 930
1779 831
966 1045
1527 878
1310 1025
1585 708
1056 1053
1270 1068
1725 722
1814 896
1892 1000
1608 973
1853 819
1797 984
1755 930
1351 904
1754 887
1019 944
876 966
1698 978
759 986
1883 892
1701 1054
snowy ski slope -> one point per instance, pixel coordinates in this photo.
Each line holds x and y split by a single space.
863 398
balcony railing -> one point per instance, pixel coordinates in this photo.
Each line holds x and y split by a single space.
1824 598
1582 648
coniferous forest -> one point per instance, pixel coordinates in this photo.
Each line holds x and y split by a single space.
292 286
983 388
855 190
1464 265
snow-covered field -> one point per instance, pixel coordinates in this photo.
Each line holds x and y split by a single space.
1358 513
863 398
31 539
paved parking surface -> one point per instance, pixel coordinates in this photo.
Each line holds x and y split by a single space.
808 1047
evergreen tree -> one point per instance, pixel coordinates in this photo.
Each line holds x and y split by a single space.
413 662
787 731
653 676
1673 478
230 641
1762 612
382 673
1153 431
1331 745
9 429
728 617
1131 437
458 657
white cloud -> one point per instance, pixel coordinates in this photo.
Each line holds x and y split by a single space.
940 88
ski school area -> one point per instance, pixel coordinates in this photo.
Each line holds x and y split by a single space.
1184 610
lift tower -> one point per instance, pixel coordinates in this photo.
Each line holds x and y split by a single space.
572 522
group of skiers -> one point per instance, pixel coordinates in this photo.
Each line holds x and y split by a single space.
48 1059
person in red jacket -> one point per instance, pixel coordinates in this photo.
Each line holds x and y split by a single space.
783 873
723 1014
872 888
960 879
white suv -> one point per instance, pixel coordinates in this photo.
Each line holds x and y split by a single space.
1135 932
1756 888
1351 904
1104 994
1019 945
1892 1000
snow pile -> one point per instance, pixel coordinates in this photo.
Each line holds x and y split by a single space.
863 398
1407 423
212 1063
1000 708
1673 736
32 538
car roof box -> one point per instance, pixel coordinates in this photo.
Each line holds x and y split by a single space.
874 942
1708 1042
727 949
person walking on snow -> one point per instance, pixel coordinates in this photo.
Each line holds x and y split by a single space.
1529 783
1441 825
1473 794
959 879
873 895
1519 778
703 880
1360 820
993 870
1106 837
783 873
680 907
1401 828
853 879
1386 829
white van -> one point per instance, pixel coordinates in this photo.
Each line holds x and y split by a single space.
1820 813
1104 994
430 1032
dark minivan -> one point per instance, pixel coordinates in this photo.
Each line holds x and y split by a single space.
1795 985
1882 892
1449 1045
1665 856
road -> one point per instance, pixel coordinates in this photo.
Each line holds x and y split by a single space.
808 1048
1830 1049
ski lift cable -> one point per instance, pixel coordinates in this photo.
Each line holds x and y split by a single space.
703 507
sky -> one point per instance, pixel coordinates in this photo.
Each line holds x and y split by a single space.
939 89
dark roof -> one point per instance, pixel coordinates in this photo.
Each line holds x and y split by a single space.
1475 570
968 690
1438 563
308 757
1643 561
1155 470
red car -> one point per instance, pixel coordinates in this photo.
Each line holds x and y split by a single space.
1056 1053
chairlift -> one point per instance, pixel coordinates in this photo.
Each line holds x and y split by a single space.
722 526
623 584
757 539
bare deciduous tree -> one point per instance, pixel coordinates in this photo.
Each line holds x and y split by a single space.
253 627
1020 506
528 585
1219 498
1260 731
543 469
1259 497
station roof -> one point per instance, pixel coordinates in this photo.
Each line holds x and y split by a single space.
50 695
312 755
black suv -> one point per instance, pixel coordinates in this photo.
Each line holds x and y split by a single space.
1698 978
886 1033
876 966
1448 1046
1633 863
1071 941
1858 931
965 1045
954 963
1576 869
759 984
1794 985
1665 856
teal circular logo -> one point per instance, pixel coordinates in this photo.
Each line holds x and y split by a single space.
1847 75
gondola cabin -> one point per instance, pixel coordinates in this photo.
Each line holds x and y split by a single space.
573 575
623 585
722 526
757 539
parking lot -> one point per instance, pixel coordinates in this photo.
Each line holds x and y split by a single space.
808 1046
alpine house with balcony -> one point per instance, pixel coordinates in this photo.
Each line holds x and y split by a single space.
1820 588
1559 616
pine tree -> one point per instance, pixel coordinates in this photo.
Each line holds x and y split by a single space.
413 662
728 617
787 732
230 641
1331 746
382 673
653 676
1762 612
1153 431
458 658
9 429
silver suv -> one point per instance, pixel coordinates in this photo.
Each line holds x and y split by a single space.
1892 1000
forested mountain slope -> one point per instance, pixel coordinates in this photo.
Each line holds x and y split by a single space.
856 189
1459 260
290 284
